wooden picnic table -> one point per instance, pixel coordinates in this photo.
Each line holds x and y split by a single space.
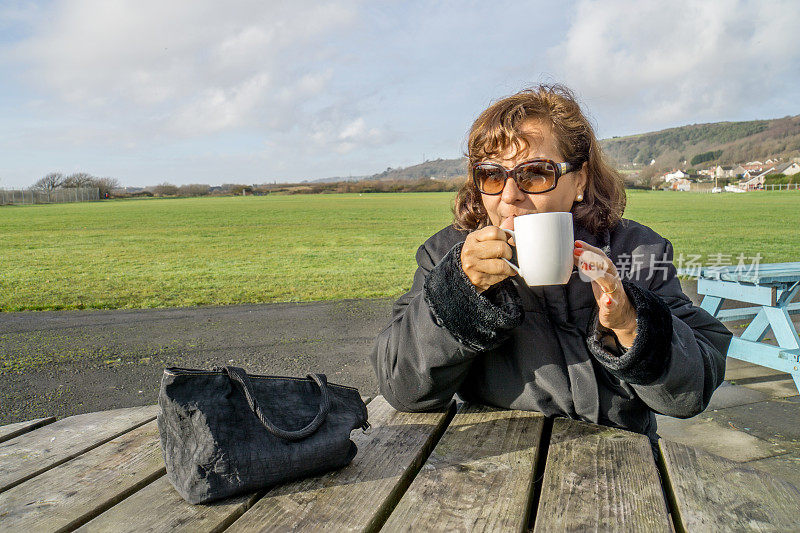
772 287
465 468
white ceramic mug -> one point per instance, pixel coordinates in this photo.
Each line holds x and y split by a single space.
544 243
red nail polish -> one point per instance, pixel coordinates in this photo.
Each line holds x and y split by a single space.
578 244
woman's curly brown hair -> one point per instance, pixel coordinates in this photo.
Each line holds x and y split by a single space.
497 129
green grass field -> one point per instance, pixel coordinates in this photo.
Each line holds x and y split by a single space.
217 251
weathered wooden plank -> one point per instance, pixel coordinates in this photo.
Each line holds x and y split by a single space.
359 496
159 507
29 455
478 478
600 479
9 431
68 495
711 493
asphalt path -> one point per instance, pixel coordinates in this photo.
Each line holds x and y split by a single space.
110 359
82 361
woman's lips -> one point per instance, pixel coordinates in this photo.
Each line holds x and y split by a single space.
508 222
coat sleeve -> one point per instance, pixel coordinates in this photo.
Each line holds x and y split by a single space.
678 357
438 328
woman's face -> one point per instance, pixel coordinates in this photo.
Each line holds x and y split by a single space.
512 202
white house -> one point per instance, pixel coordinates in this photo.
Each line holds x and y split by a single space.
788 169
724 172
757 181
675 175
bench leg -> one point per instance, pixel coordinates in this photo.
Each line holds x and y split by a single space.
712 304
782 327
757 328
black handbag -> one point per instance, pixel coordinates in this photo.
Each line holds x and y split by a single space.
224 432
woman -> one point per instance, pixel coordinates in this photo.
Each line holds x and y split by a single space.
612 351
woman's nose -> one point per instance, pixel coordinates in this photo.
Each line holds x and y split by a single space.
511 192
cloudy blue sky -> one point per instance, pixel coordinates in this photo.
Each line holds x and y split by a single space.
193 91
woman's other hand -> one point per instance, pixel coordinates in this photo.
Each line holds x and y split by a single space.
481 257
615 310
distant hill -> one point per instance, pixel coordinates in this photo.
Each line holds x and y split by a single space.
337 179
438 168
722 143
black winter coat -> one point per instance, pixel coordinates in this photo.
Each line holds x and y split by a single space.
539 348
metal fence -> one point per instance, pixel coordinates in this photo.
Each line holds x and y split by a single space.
781 186
57 196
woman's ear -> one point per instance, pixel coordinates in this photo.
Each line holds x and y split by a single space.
581 180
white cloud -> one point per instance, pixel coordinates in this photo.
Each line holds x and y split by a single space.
681 61
335 131
184 68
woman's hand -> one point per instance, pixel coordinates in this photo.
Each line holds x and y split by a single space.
616 311
481 257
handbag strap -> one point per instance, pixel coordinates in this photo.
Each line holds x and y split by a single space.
240 376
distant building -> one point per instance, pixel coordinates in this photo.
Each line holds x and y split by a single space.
739 170
681 184
754 166
724 172
675 175
788 169
756 182
766 171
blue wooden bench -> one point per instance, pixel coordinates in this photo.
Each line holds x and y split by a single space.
772 287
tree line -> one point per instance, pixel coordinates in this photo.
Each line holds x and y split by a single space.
704 157
367 186
361 186
79 180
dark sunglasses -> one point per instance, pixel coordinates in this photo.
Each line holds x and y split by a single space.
533 177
